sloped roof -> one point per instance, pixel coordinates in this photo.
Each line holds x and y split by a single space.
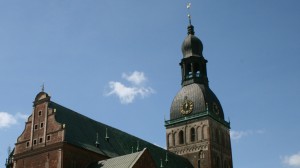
81 131
124 161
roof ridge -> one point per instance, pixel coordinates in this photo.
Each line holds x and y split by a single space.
137 157
80 131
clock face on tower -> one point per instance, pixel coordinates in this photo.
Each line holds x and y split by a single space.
186 107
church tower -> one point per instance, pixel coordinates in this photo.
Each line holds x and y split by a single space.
197 129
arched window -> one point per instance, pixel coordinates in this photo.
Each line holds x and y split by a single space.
197 70
193 134
188 71
201 155
180 137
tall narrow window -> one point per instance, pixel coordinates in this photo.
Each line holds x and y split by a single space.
180 137
40 113
188 71
201 155
193 134
199 164
42 125
197 70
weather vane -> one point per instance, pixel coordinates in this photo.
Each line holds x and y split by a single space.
188 6
43 87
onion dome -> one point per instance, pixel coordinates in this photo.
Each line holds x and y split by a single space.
200 98
192 45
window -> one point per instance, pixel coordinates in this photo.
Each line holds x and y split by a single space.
27 144
48 138
40 113
197 70
34 142
42 125
41 140
193 134
199 164
188 71
35 126
201 155
197 73
180 137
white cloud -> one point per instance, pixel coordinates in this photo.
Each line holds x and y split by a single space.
7 119
136 77
21 116
127 94
292 160
236 135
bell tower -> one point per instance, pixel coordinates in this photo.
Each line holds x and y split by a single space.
197 129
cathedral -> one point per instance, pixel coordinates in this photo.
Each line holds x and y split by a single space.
197 136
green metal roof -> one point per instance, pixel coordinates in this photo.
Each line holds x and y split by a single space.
196 116
124 161
81 131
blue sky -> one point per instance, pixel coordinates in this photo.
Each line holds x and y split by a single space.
117 62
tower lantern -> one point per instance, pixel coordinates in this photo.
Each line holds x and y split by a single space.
197 129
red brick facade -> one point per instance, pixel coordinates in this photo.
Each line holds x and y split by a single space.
41 145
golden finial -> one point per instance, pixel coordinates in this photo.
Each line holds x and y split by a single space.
188 6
